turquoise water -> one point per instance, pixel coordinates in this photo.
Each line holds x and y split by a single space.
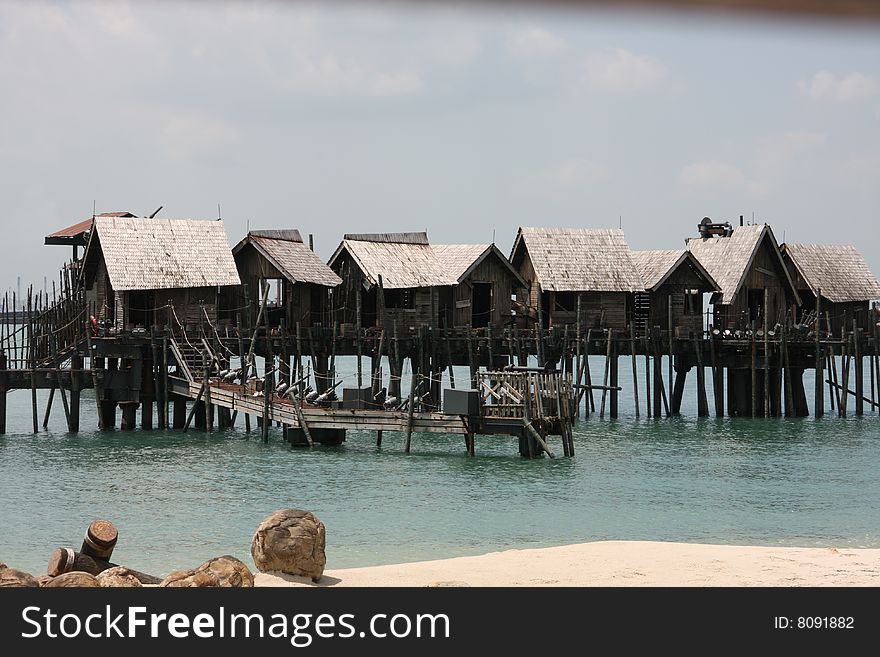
180 499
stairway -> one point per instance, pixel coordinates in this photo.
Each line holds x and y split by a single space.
188 355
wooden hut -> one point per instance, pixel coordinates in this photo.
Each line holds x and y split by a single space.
302 280
399 278
486 283
840 276
560 265
747 265
675 282
144 272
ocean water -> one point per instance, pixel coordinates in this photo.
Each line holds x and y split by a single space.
180 499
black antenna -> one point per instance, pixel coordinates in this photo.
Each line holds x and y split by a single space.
493 236
94 210
620 221
156 212
218 212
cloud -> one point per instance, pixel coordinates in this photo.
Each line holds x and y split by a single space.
454 50
777 152
850 88
533 43
570 174
720 175
185 135
330 76
622 71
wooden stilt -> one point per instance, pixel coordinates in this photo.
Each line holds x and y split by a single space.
577 364
613 372
4 377
844 371
49 407
605 377
789 393
678 389
268 387
717 378
409 411
858 370
588 378
702 400
648 412
819 357
635 374
67 410
753 352
34 400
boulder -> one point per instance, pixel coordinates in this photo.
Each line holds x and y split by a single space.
42 580
191 579
10 577
290 541
118 577
229 571
73 579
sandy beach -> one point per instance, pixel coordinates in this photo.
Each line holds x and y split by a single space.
620 563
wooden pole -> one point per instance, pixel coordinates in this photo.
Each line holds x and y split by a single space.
192 410
605 377
877 359
789 394
588 378
671 335
844 371
49 407
209 407
410 410
753 352
359 327
4 377
539 327
819 402
67 413
297 406
702 400
448 354
471 357
635 374
859 372
268 387
717 378
648 408
766 361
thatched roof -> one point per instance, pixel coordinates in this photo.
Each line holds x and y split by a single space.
728 259
461 259
285 251
404 260
839 271
578 259
155 254
656 266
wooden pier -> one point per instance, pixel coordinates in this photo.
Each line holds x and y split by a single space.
186 356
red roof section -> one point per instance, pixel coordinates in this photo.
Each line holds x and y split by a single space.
83 226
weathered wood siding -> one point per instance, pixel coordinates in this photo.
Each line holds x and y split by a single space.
764 272
503 285
598 310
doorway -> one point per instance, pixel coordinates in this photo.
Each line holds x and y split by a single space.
481 304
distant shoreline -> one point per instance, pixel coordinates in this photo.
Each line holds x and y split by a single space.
620 563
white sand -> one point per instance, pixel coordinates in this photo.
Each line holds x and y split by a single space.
621 563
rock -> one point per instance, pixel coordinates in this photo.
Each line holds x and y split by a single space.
118 577
73 579
291 541
229 571
44 579
10 577
192 579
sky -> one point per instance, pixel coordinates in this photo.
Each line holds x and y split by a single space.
464 122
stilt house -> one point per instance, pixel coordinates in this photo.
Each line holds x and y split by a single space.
486 283
142 272
836 281
560 265
747 264
398 277
301 280
674 283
